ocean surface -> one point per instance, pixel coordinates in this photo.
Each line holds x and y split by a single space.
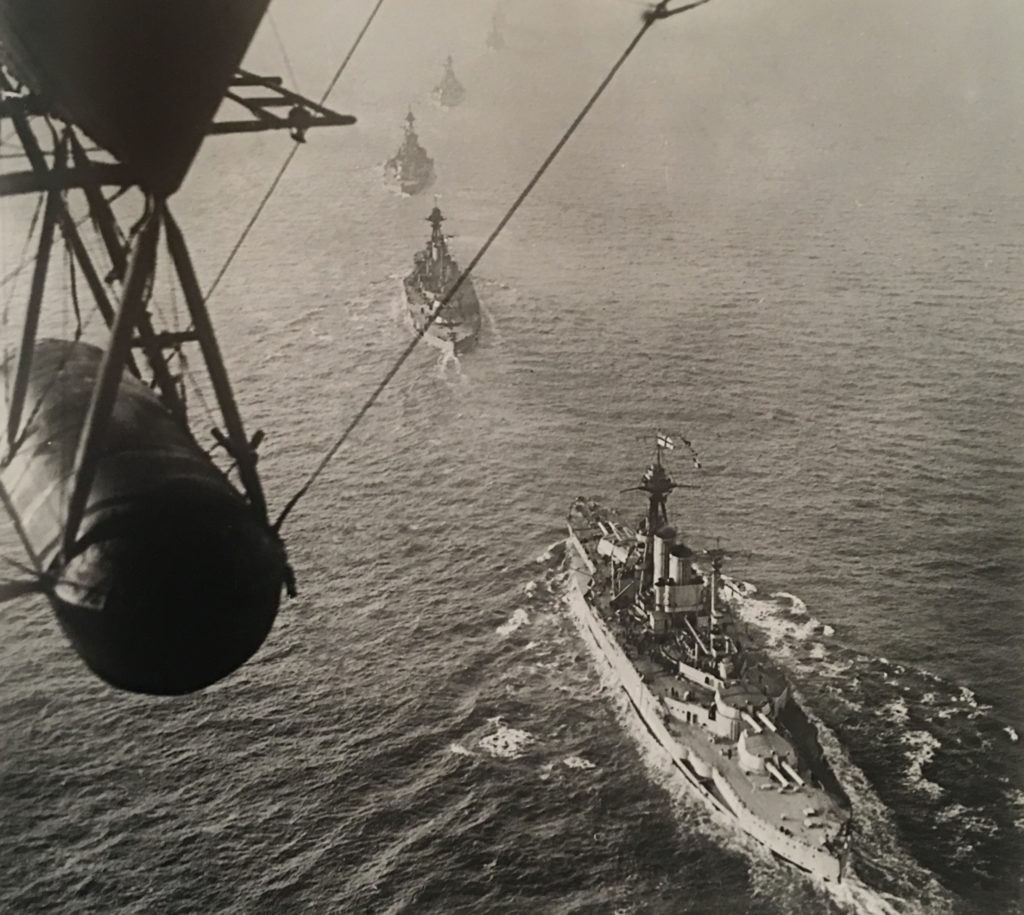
789 232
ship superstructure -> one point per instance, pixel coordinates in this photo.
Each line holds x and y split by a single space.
435 272
664 631
410 169
449 92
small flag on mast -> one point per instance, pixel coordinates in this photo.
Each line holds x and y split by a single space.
693 452
665 442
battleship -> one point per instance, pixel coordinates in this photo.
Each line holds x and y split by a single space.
411 170
449 92
664 631
434 274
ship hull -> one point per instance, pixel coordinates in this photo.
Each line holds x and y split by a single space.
411 186
713 788
457 328
449 95
409 181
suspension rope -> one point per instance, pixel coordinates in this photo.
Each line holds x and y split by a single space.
73 276
81 326
5 315
658 12
34 580
197 389
288 159
51 383
283 50
23 261
13 274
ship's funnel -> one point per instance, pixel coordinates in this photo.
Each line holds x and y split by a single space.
679 568
664 538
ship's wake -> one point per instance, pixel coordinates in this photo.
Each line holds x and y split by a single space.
779 882
932 773
495 298
879 724
882 878
449 367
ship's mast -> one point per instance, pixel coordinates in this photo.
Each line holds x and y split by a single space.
438 245
657 484
714 580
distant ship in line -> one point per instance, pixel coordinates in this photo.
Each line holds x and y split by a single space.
434 273
449 92
495 39
410 169
724 714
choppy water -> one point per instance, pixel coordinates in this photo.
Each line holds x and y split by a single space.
745 242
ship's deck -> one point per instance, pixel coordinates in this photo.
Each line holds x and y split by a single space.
761 794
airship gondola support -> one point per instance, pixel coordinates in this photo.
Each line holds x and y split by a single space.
101 403
164 575
240 449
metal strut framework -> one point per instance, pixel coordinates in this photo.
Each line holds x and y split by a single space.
264 112
101 404
122 298
302 115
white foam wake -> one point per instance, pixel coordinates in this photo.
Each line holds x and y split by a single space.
921 747
518 619
793 634
506 742
555 550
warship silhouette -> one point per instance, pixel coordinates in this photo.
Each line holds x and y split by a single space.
449 92
495 38
410 169
435 272
665 632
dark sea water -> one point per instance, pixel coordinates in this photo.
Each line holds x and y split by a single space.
790 234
